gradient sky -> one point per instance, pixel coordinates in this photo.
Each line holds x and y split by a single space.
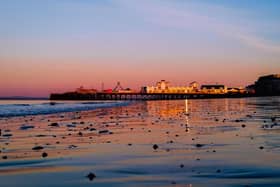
58 45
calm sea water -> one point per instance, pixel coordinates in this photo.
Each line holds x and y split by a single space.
201 143
10 108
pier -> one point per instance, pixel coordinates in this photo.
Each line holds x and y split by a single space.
141 96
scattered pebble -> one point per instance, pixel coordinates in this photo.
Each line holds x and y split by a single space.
37 148
199 145
155 146
91 176
44 154
26 127
7 135
103 131
80 134
54 125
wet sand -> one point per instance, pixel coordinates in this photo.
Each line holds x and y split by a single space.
215 142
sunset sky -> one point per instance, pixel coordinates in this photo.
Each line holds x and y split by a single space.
59 45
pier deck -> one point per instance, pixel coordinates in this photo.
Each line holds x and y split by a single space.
141 96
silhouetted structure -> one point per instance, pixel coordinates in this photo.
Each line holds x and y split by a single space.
265 86
268 85
118 87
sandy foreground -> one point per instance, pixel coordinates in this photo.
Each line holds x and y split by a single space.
218 142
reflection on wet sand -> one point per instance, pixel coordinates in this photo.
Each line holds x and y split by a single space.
222 142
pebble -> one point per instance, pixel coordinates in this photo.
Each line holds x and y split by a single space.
44 154
91 176
26 127
7 135
155 146
199 145
103 131
80 134
54 125
37 148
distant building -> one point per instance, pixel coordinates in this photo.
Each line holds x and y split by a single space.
213 89
127 90
268 85
236 90
164 87
194 86
83 90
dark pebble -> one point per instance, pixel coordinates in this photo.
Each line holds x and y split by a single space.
71 125
199 145
44 154
54 125
103 132
37 148
155 146
7 135
261 147
91 176
243 125
4 157
26 127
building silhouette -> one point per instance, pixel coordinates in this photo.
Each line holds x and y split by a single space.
268 85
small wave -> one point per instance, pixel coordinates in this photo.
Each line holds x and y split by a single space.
21 104
45 108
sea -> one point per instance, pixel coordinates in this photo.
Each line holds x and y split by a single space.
10 108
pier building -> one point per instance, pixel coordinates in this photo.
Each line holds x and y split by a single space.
213 89
165 87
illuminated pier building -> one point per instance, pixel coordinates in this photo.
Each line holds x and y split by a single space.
165 87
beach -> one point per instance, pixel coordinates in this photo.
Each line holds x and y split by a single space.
195 143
